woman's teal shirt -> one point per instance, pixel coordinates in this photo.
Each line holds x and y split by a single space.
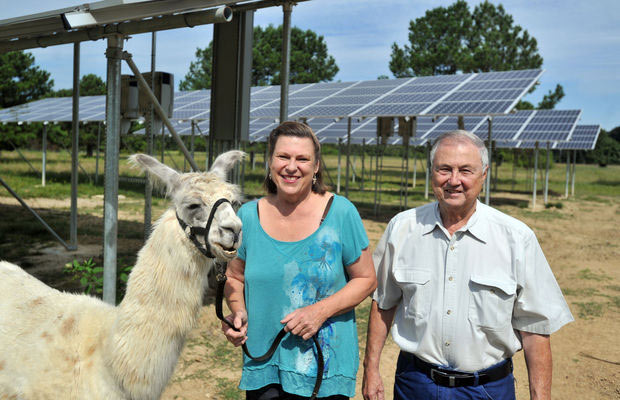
281 277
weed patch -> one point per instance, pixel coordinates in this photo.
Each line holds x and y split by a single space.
592 276
589 310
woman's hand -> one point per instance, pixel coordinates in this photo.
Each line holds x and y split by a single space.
305 322
239 320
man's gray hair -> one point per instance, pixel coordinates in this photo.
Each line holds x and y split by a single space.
462 136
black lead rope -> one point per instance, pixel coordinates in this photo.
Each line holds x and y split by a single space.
219 297
221 279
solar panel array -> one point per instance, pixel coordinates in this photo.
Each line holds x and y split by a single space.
490 93
584 138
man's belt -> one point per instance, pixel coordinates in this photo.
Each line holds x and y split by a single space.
449 378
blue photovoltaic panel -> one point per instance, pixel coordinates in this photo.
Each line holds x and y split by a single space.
488 93
549 126
480 94
584 138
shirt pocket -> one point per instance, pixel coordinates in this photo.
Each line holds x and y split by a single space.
491 301
416 288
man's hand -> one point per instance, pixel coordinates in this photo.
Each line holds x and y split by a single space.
372 385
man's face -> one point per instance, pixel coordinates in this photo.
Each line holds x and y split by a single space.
457 175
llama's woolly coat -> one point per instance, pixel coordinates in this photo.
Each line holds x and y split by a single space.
66 345
56 345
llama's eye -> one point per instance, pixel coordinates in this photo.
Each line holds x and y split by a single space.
193 206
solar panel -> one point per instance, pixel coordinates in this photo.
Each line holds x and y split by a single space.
549 126
584 138
488 93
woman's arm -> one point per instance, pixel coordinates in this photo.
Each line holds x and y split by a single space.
306 321
233 291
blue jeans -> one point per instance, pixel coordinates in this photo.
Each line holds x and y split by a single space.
412 384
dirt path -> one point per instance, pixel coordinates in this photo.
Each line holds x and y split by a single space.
581 242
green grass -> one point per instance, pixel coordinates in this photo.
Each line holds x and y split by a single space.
592 276
589 310
593 183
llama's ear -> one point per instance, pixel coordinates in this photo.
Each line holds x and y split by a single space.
224 163
163 173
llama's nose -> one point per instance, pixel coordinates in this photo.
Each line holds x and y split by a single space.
232 232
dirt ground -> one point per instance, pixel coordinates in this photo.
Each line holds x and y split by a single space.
580 240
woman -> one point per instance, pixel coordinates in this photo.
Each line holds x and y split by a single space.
303 264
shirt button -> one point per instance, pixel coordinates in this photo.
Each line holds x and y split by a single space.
447 343
451 247
450 278
449 312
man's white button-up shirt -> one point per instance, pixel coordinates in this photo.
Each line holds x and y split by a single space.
460 298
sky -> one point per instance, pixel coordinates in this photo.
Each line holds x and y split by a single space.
578 40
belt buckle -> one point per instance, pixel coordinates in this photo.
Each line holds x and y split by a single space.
451 378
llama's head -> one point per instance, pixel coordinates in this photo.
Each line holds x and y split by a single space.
194 195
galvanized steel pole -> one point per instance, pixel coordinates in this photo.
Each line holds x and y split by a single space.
97 156
567 173
148 187
75 144
44 156
114 54
535 176
487 193
346 182
547 173
286 57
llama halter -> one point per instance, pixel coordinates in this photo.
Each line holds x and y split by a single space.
204 232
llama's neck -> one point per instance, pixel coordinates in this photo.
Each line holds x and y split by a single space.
160 307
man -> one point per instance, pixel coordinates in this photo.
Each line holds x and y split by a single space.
465 287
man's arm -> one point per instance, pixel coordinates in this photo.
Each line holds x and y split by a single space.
379 324
537 351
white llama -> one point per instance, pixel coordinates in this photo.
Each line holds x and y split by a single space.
62 346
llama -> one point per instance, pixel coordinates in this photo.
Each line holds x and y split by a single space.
56 345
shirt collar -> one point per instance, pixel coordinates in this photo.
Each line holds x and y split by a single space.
475 226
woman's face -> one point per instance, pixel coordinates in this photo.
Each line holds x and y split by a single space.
293 165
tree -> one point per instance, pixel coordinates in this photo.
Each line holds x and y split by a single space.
453 39
310 61
551 99
90 85
20 80
199 75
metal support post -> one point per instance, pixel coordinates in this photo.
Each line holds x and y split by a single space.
339 168
377 178
546 196
362 159
97 154
534 183
415 167
148 186
574 171
428 170
567 173
113 128
346 177
287 8
487 192
44 155
75 143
